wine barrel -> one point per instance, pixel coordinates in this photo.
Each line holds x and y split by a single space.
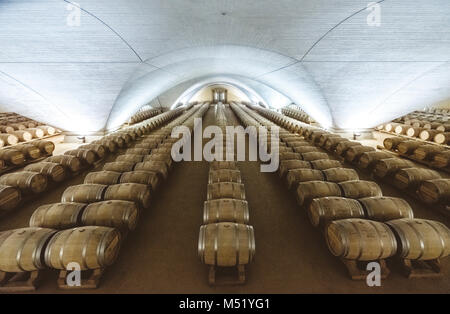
307 191
359 239
166 158
155 166
391 143
314 156
295 176
442 138
421 239
413 131
87 156
428 135
442 160
26 181
138 151
23 136
150 178
9 139
401 129
46 147
332 142
98 149
57 215
324 137
118 140
109 144
354 153
216 165
322 210
162 150
226 244
122 215
135 192
18 126
412 177
435 191
225 210
102 177
225 190
48 130
368 160
340 174
286 165
84 193
444 127
382 208
408 147
359 189
119 166
10 198
30 151
35 132
342 147
289 156
224 175
22 249
427 152
147 145
130 158
305 149
92 247
323 164
6 129
390 127
388 166
11 156
52 170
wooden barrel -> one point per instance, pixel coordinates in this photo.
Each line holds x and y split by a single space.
413 131
216 165
435 191
427 152
289 156
354 153
26 181
23 136
408 147
46 147
119 166
138 151
340 174
98 149
122 215
295 176
162 150
84 193
6 129
102 177
286 165
388 166
324 137
147 145
166 158
22 249
48 130
368 160
444 127
323 164
225 210
307 191
155 166
130 158
359 189
325 209
342 147
442 138
359 239
35 132
12 157
92 247
305 149
150 178
428 135
224 175
410 178
391 143
442 160
10 198
332 142
30 151
226 244
118 140
52 170
18 126
421 239
135 192
87 156
72 163
390 127
226 190
382 208
401 129
314 156
110 145
57 215
9 139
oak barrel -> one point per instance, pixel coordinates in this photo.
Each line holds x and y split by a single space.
142 177
382 208
98 149
26 181
391 143
70 162
342 147
323 164
135 192
167 158
10 198
130 158
84 193
102 177
360 188
225 210
12 156
340 174
289 156
314 156
23 136
35 132
307 191
119 166
224 175
412 177
48 130
122 215
325 209
215 165
442 160
86 155
286 165
408 147
413 131
155 166
57 215
138 151
225 190
442 138
9 139
389 166
46 147
52 170
354 153
305 149
427 152
435 191
295 176
428 135
369 159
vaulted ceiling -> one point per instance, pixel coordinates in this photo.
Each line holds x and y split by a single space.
91 74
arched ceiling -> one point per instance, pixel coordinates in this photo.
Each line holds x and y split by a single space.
321 54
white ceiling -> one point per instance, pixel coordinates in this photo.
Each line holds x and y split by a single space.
321 54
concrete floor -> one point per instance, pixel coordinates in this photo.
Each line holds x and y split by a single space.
160 256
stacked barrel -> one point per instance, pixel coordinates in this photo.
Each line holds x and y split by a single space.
144 114
88 225
427 126
225 239
359 223
298 114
